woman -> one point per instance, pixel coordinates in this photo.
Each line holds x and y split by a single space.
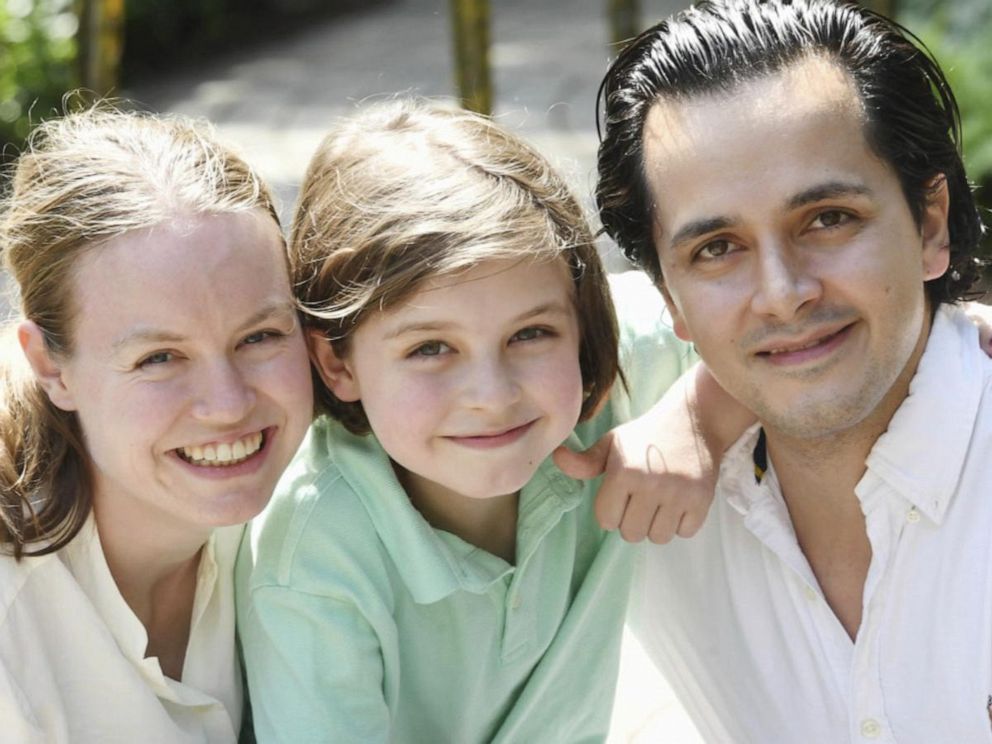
162 389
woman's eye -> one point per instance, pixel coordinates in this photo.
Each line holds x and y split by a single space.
529 334
259 337
430 348
158 358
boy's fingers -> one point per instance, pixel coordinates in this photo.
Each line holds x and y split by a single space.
610 506
692 520
583 465
665 525
638 519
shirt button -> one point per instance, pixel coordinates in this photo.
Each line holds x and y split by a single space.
912 515
516 602
810 593
870 728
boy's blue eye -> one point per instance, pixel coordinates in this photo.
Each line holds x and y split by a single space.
529 334
430 348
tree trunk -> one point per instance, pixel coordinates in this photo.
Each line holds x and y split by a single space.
471 35
101 42
888 8
625 21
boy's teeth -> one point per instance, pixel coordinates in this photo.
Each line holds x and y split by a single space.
223 453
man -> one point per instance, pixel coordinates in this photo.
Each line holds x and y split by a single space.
788 173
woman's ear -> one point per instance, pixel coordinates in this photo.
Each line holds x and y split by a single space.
934 231
49 373
334 370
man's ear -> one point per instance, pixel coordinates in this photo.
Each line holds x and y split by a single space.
678 322
934 231
47 369
334 371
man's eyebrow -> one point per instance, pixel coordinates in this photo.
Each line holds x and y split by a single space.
697 228
830 190
146 335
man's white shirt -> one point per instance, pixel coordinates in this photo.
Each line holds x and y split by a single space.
736 621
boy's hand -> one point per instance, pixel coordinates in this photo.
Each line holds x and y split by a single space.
660 469
981 316
650 488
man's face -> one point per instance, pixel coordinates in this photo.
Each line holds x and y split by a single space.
789 254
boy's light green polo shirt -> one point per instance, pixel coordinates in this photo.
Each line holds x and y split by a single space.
362 623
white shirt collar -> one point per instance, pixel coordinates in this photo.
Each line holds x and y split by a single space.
921 454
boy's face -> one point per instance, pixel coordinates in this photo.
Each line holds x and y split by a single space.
471 382
789 254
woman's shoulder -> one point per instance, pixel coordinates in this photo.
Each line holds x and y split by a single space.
17 576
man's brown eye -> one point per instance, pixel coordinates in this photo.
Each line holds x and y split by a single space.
831 219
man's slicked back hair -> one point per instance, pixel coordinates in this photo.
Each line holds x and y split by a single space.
912 120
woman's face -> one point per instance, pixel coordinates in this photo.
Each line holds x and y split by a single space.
189 372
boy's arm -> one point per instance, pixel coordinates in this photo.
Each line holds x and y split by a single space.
314 669
660 469
981 316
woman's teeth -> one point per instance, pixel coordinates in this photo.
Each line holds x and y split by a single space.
223 453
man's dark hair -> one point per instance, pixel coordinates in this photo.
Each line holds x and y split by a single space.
912 118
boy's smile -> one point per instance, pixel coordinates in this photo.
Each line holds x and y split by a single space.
473 381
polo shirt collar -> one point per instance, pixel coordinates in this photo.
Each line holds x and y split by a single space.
434 564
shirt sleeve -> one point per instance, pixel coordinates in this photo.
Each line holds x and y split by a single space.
652 357
314 668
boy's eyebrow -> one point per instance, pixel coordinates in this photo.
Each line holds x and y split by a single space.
147 335
428 326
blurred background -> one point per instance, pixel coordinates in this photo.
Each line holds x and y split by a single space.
273 75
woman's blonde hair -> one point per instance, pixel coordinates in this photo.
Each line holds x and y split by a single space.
406 191
82 180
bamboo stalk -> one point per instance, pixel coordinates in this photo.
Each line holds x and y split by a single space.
101 43
625 21
470 22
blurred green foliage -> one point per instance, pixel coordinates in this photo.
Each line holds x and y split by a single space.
38 45
37 53
959 36
966 58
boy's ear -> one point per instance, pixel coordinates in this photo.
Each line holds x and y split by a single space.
334 371
678 322
47 370
934 231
